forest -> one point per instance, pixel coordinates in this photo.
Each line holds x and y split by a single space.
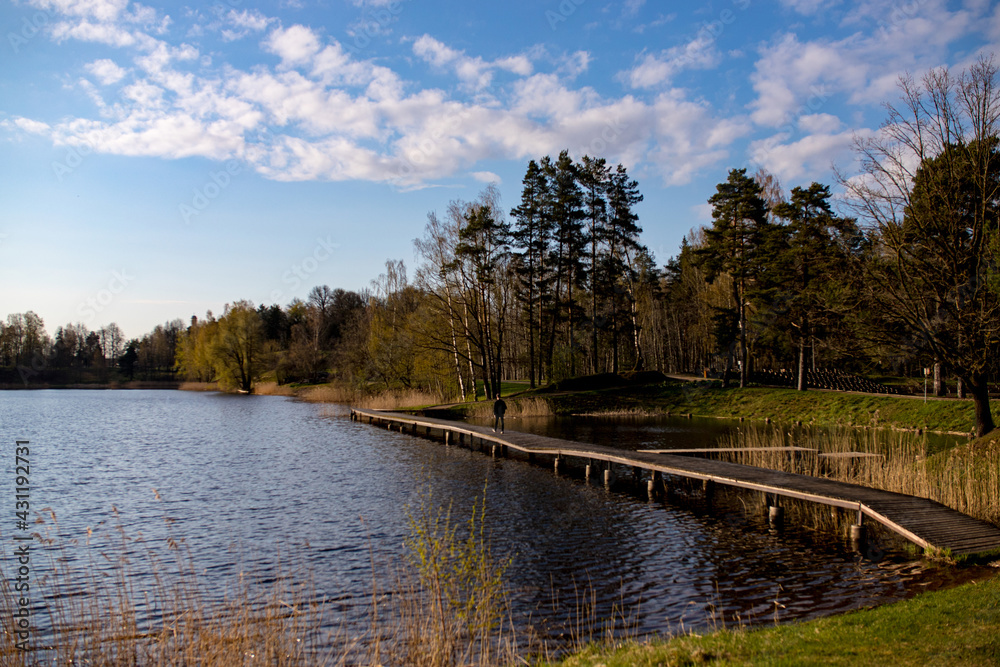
894 274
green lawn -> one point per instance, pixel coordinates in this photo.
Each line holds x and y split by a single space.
960 626
785 405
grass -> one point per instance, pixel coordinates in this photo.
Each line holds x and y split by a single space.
825 408
960 626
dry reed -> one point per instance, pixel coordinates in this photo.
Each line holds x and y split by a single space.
516 407
965 478
273 389
198 386
400 398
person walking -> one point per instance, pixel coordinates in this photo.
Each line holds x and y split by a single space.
499 408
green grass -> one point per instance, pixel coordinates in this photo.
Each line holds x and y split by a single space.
785 405
960 626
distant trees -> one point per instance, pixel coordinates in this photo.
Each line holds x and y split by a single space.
22 337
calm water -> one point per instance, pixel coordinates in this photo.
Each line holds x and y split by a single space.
246 476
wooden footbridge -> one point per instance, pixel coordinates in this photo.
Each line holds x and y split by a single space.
926 523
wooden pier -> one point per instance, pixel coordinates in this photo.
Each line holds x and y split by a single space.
926 523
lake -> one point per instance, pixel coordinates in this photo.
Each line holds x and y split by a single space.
246 478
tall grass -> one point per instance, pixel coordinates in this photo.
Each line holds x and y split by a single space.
516 407
400 398
386 400
454 610
965 478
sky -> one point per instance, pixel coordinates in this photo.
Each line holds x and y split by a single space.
162 159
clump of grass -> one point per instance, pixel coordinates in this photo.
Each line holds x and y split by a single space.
453 607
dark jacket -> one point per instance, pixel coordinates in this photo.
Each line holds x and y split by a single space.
499 408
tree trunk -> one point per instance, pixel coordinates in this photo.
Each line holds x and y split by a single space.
729 366
801 383
981 399
468 349
938 382
454 348
743 344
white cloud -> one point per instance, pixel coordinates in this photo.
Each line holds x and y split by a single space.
296 45
106 71
101 10
819 123
486 177
251 20
794 76
31 126
804 159
656 70
809 7
474 73
688 138
321 113
243 23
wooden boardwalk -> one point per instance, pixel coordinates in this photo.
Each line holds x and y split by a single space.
924 522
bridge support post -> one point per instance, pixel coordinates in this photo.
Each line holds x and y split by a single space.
651 485
586 473
858 531
555 466
708 488
607 476
775 515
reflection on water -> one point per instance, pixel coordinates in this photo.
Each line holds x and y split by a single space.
246 476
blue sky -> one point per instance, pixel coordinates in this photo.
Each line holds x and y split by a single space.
163 159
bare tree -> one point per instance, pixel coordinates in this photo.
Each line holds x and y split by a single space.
930 194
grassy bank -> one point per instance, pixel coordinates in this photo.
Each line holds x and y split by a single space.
960 626
825 408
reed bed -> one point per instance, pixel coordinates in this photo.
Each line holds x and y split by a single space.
273 389
197 386
625 412
965 478
400 398
516 407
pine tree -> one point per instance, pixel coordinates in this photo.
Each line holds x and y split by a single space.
739 227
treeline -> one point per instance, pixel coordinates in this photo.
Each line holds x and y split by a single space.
904 278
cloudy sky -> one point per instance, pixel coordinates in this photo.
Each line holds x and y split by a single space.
162 159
